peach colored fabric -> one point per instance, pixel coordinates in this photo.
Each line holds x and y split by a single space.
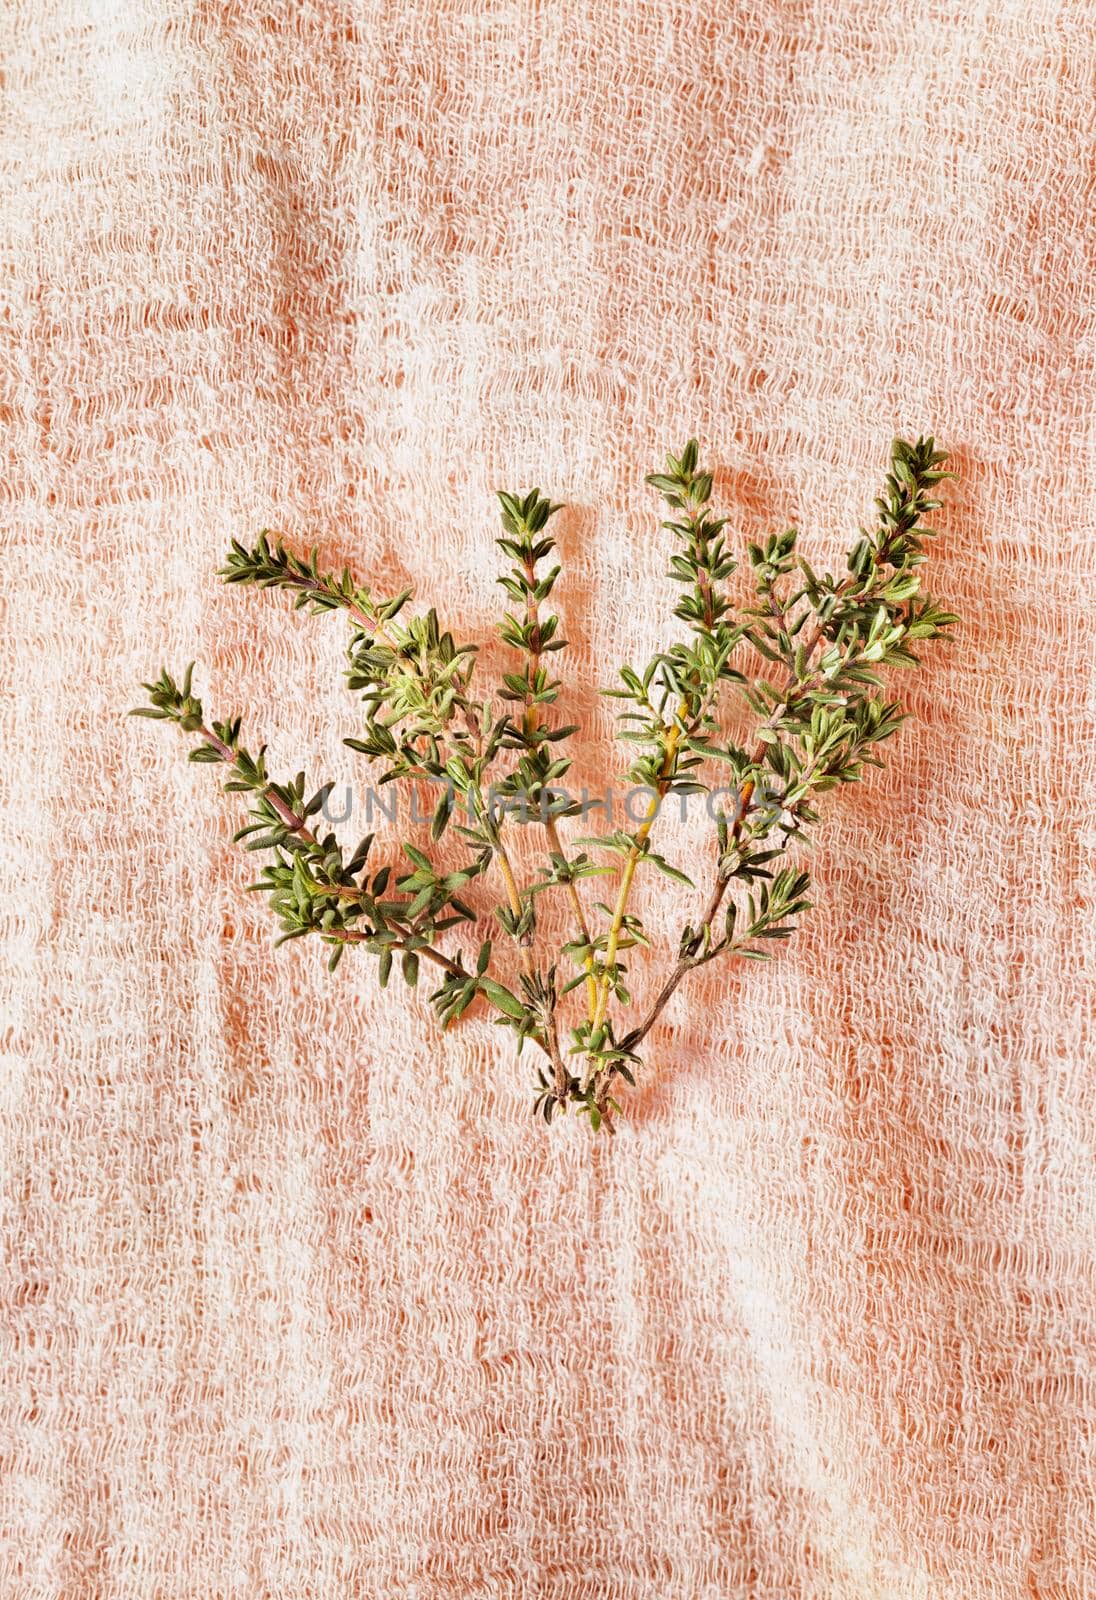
295 1301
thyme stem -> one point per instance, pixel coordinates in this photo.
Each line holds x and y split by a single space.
816 730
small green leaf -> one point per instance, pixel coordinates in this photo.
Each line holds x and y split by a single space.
501 998
665 867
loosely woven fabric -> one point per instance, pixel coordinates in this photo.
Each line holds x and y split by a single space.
298 1301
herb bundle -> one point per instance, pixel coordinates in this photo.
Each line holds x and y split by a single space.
803 652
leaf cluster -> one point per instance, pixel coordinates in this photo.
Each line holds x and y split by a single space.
802 654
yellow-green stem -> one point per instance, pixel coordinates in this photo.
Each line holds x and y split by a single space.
600 1003
530 723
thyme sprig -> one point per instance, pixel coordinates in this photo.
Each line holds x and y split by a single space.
803 654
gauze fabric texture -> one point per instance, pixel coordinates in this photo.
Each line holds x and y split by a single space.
298 1300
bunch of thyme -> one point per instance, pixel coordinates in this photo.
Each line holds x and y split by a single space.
803 652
